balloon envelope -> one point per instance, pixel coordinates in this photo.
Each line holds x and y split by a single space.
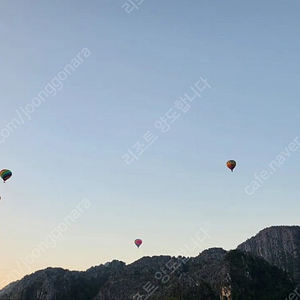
231 164
5 174
138 242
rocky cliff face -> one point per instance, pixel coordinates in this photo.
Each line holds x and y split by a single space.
278 245
213 275
57 283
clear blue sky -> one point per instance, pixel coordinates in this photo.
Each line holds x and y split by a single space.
140 64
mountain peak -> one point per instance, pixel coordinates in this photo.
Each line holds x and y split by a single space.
214 274
278 245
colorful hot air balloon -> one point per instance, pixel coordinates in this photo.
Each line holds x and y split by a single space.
5 174
138 242
231 164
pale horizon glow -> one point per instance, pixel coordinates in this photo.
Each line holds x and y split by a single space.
106 77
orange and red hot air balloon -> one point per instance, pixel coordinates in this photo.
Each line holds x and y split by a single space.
138 242
231 164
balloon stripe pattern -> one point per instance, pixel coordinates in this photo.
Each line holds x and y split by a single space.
5 174
231 165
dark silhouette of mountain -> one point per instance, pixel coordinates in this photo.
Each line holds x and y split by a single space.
278 245
215 274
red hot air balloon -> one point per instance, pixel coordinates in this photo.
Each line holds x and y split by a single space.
138 242
231 165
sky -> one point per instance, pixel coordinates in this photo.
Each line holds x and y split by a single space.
83 82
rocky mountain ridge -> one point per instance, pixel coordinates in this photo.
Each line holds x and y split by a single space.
265 267
278 245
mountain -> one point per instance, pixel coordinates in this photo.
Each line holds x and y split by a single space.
215 274
278 245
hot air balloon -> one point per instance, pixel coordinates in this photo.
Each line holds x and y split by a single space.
5 174
138 242
231 165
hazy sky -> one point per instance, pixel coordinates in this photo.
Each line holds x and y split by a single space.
128 71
